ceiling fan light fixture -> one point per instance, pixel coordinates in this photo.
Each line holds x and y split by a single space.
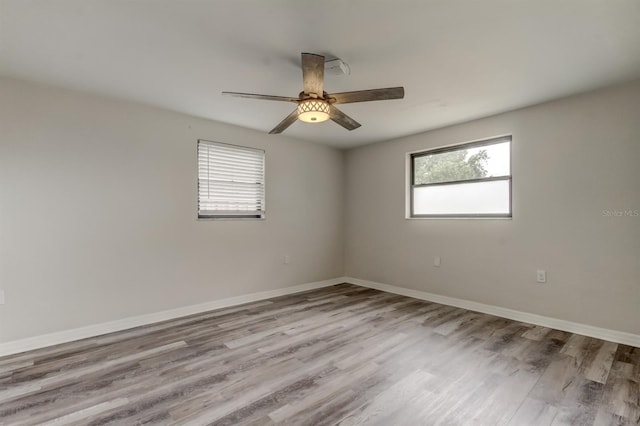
313 110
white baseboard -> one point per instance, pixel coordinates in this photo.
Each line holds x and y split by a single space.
37 342
559 324
65 336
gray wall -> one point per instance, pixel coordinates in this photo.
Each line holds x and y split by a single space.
573 159
98 213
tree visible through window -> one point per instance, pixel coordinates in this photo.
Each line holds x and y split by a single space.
451 166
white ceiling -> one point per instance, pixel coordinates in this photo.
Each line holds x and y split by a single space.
457 59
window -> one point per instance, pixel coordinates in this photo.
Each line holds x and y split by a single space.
469 180
230 181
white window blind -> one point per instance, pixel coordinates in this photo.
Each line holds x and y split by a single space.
230 181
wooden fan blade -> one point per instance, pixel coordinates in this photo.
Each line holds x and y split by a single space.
368 95
313 73
343 119
288 121
262 97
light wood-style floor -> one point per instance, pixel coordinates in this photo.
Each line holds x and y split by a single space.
339 355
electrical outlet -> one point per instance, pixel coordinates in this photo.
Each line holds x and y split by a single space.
286 259
541 276
436 261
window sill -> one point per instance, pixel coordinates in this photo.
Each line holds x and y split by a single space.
460 217
206 219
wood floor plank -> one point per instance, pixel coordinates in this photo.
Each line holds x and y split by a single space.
536 333
560 377
87 412
338 355
534 412
301 407
599 368
393 399
622 393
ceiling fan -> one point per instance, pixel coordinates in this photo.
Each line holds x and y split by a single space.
315 105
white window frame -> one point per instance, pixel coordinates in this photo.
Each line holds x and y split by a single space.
483 142
254 206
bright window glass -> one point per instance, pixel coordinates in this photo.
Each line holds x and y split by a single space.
469 180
